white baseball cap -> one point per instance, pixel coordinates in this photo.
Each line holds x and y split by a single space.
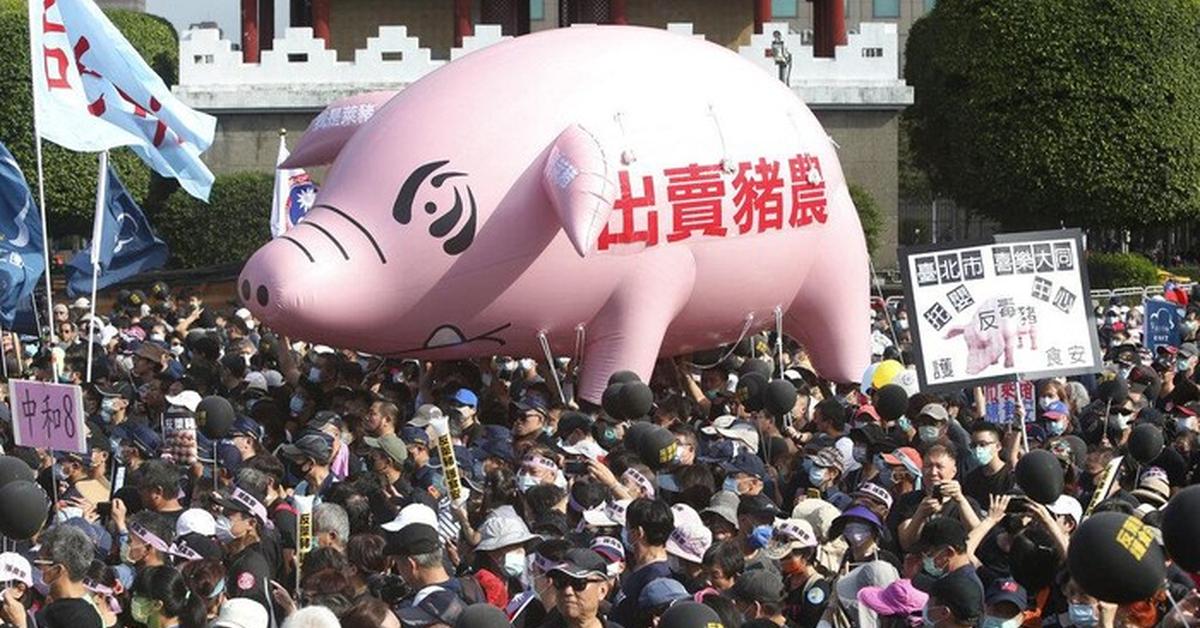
412 513
241 612
1067 506
188 399
196 521
13 566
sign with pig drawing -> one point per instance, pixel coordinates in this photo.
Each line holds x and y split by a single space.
1016 307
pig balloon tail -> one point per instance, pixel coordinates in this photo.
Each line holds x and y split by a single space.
733 347
545 342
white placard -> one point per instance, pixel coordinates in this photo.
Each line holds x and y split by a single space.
1013 308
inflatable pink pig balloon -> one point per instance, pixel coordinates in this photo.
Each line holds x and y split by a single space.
657 192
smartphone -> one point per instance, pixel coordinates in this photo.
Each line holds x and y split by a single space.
104 509
576 467
938 491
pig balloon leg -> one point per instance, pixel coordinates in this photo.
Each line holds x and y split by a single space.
831 314
628 331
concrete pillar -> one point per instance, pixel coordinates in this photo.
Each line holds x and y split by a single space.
266 24
762 14
320 20
462 21
250 31
837 21
618 12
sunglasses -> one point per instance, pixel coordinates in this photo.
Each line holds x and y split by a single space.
562 581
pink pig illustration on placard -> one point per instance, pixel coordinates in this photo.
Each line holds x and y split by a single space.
996 328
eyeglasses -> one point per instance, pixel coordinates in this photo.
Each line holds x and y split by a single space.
562 581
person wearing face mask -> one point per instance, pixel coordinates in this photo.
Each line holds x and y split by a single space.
144 541
312 454
500 555
1006 604
529 426
686 547
424 476
1056 419
824 473
756 516
943 551
1183 388
721 515
161 599
794 545
528 609
993 476
64 556
744 474
862 529
247 568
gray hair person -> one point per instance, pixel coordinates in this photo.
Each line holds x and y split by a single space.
64 556
331 525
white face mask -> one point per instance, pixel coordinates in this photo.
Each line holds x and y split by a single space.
224 533
177 350
514 563
528 363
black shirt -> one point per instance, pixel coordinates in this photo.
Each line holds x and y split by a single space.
806 604
980 486
247 575
69 613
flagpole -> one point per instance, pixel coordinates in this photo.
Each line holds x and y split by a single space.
97 238
37 151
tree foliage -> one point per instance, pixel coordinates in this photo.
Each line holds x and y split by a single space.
70 177
868 215
1120 270
231 226
1080 111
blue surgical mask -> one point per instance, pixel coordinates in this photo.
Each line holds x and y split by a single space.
760 536
1056 428
296 405
930 568
983 455
903 423
1181 365
1082 615
514 563
816 476
928 433
990 621
731 485
526 482
314 375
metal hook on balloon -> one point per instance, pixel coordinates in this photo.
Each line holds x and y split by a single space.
580 339
733 347
726 162
627 155
779 337
545 343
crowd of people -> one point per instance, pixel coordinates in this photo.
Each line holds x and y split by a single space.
685 501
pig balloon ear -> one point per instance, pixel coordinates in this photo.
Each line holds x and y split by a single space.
581 183
329 132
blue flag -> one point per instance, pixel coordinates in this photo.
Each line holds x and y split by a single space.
128 245
21 255
1164 324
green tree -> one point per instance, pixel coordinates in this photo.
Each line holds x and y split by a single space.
868 214
231 226
1079 111
70 177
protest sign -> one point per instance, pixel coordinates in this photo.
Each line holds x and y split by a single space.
1000 401
1164 322
441 427
48 416
1015 307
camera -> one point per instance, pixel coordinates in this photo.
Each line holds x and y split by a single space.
388 587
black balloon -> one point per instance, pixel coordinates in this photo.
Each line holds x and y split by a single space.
1180 523
1032 559
761 367
635 400
1145 442
610 400
1114 557
25 508
751 391
891 402
13 469
623 377
214 417
1040 475
1114 391
780 397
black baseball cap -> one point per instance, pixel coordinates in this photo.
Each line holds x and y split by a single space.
760 504
583 564
961 593
689 614
411 540
758 585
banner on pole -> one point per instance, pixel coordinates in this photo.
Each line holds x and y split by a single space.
1000 401
48 416
1015 307
1164 324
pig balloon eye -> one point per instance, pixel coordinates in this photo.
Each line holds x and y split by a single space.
442 226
